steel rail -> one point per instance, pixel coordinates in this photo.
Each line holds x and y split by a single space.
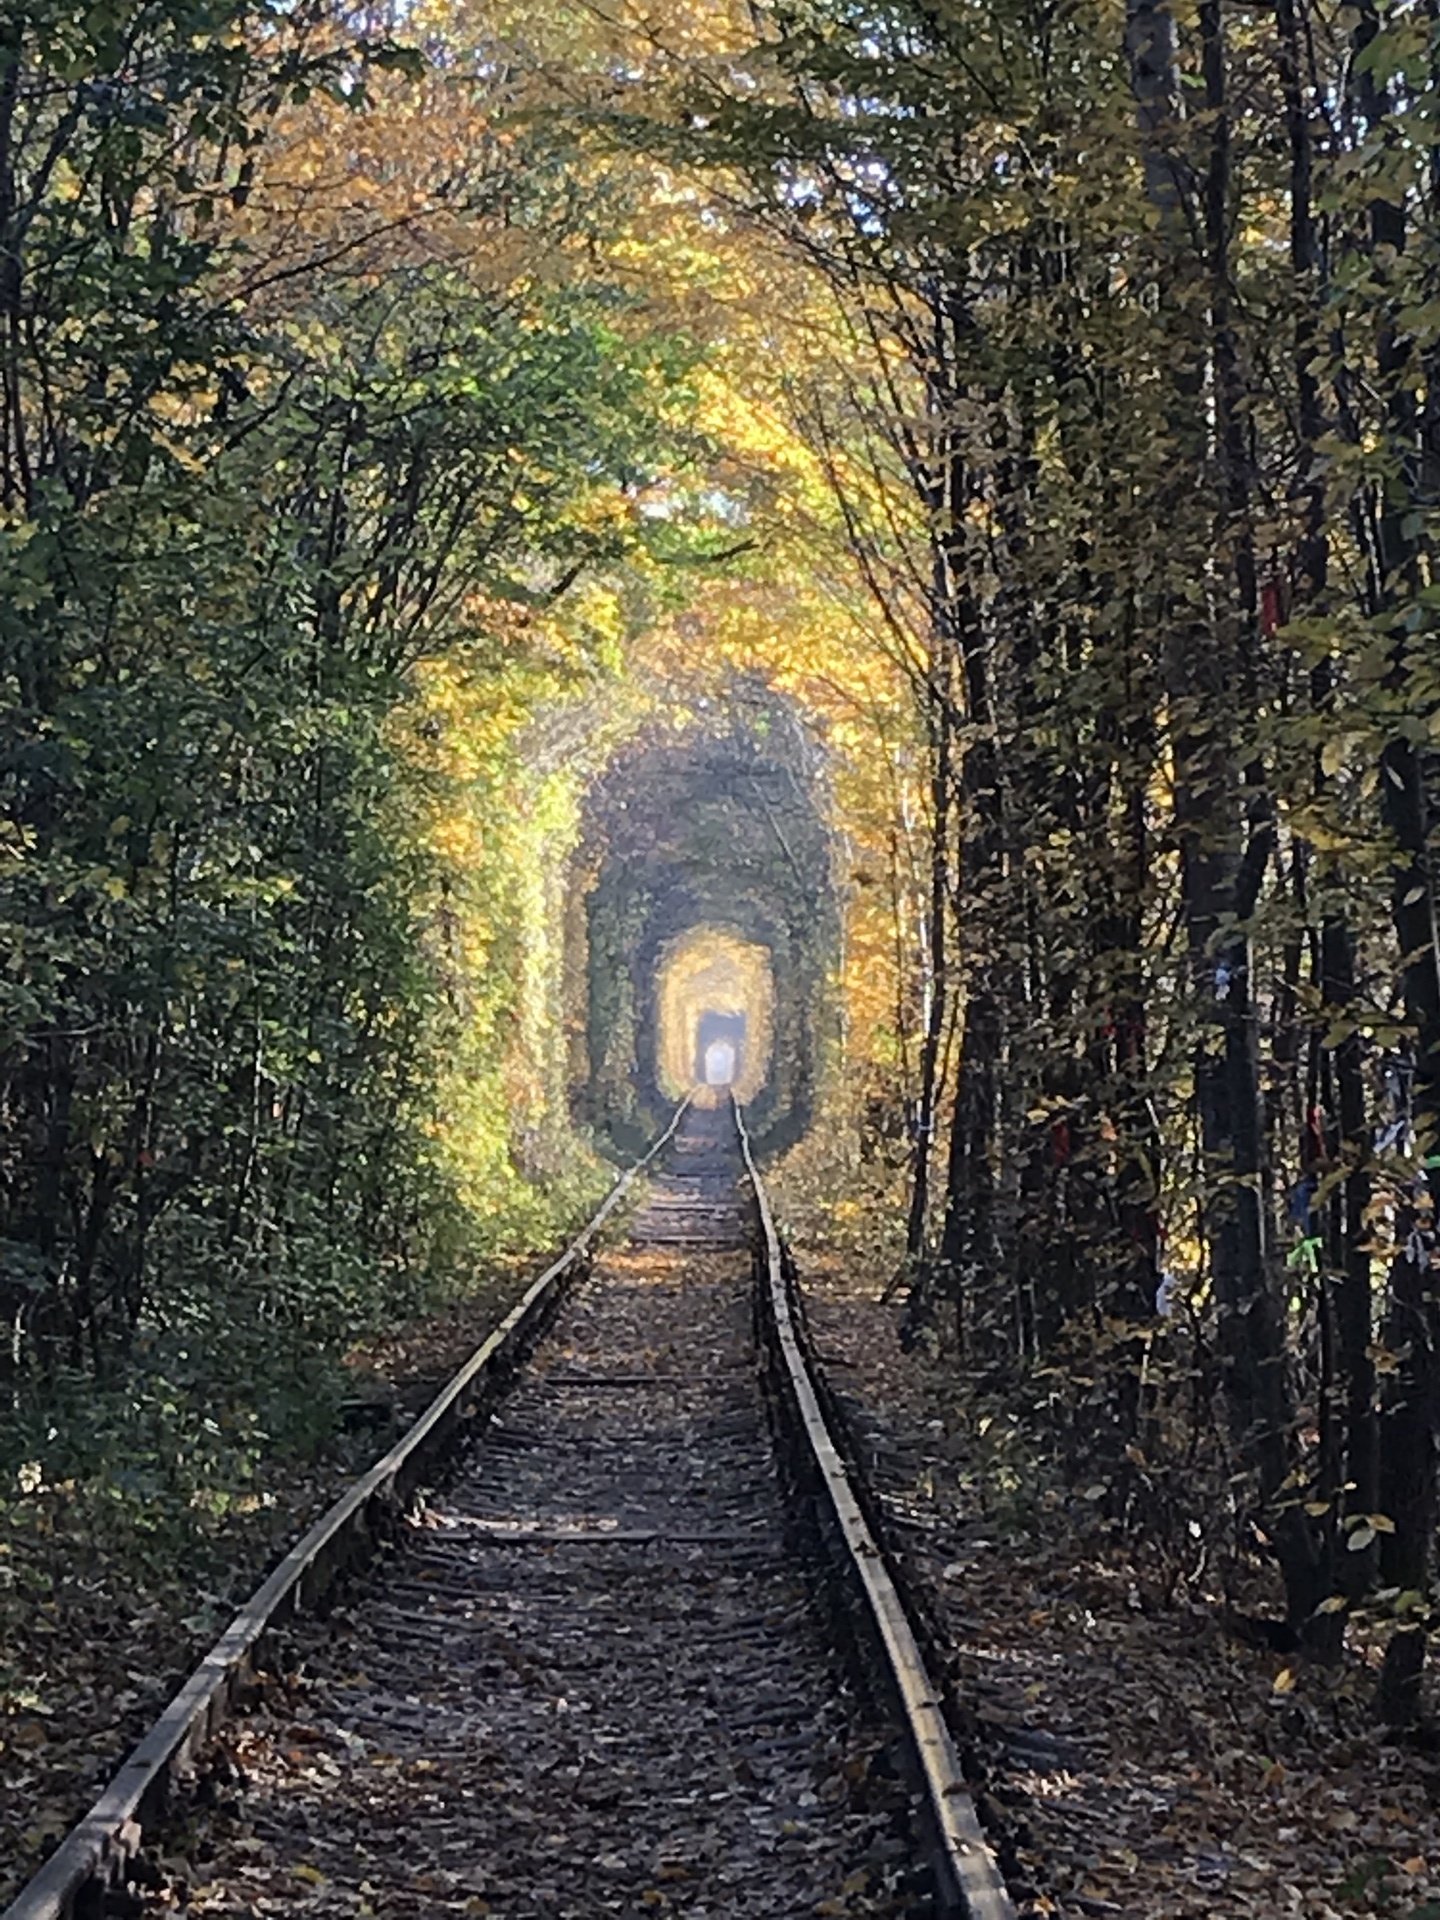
72 1883
969 1884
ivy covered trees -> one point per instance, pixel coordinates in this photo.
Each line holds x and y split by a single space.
1151 329
284 422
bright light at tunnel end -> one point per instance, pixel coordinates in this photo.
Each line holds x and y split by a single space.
715 1004
719 1064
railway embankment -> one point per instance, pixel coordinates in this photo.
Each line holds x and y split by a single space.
1135 1750
99 1628
594 1673
601 1668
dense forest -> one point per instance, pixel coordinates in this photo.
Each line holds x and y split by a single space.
956 480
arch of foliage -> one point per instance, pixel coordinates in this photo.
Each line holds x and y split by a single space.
698 826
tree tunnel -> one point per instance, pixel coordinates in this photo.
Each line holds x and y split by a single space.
710 928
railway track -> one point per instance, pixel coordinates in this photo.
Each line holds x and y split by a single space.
592 1677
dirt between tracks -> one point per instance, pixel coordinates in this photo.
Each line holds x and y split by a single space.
591 1680
1138 1759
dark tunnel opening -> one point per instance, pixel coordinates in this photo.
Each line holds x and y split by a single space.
710 920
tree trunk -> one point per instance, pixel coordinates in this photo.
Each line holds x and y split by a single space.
941 728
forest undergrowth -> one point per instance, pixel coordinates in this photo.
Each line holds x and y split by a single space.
1146 1733
116 1578
1137 1746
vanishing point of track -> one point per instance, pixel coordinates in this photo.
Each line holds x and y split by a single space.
593 1677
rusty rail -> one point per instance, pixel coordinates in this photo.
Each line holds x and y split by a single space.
71 1885
968 1881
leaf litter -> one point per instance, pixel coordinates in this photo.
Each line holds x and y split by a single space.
1131 1755
588 1680
94 1639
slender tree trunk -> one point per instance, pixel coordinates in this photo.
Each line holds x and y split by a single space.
941 726
967 1245
1412 1415
1348 1279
